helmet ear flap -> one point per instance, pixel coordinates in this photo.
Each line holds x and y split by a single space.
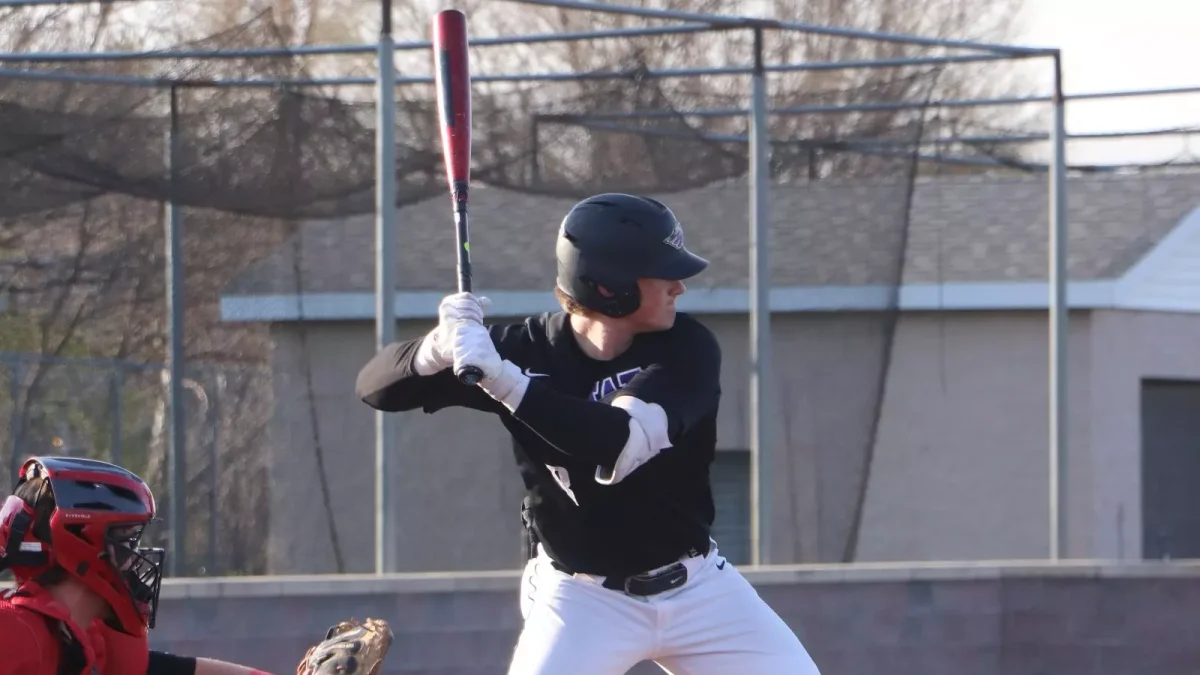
594 285
20 550
613 300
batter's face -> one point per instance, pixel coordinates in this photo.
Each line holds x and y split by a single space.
656 310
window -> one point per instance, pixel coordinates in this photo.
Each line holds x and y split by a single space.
730 477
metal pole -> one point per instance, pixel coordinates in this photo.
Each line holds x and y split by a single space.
760 320
670 73
900 62
865 107
1130 93
171 55
725 21
116 431
214 474
1058 322
878 148
385 275
14 4
850 142
535 155
15 420
337 50
176 460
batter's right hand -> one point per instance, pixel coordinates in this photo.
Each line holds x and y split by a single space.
461 307
437 350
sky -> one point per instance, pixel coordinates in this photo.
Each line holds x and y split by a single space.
1111 45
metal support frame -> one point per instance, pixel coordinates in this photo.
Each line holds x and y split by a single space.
891 105
851 142
762 450
177 444
342 50
722 21
759 140
1059 318
385 280
14 4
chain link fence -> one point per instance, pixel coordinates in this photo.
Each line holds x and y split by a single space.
117 411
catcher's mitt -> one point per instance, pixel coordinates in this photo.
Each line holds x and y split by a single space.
350 648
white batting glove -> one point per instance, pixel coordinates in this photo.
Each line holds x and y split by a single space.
462 307
502 380
436 352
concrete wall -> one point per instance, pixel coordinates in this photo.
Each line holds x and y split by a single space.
870 620
960 470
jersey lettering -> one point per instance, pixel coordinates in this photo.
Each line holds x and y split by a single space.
563 478
608 385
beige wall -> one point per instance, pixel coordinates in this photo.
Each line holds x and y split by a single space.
456 501
960 471
1139 345
963 459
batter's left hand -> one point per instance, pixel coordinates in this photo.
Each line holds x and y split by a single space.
502 380
472 345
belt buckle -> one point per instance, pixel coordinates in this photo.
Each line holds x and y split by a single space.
674 576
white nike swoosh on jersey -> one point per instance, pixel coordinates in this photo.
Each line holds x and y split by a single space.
530 373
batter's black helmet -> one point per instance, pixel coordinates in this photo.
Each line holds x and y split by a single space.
609 241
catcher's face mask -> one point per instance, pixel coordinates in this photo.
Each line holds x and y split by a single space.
140 568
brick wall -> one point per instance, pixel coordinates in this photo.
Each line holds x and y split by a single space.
983 619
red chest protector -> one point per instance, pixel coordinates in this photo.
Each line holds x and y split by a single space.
99 650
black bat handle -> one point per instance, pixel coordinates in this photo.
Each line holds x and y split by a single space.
466 373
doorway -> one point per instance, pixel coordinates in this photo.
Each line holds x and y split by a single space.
1170 420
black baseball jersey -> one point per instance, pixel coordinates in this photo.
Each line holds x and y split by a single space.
564 428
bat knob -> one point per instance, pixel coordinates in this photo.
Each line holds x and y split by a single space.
469 375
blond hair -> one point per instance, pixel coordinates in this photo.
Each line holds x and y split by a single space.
570 305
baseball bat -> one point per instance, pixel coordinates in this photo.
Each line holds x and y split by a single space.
452 75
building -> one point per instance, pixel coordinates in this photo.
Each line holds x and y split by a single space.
952 385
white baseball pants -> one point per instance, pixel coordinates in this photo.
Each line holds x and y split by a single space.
715 624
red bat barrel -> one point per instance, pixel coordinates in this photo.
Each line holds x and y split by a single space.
453 78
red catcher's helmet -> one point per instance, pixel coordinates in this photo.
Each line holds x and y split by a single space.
101 511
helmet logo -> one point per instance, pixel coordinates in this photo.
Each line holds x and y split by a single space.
675 239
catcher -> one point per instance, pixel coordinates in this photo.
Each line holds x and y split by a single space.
86 603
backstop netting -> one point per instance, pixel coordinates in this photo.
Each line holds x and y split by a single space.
276 186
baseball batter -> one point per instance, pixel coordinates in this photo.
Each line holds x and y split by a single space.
612 407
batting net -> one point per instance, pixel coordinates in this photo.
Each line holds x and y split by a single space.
276 184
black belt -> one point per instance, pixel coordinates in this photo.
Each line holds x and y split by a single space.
645 584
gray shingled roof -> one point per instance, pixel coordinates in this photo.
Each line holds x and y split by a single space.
962 229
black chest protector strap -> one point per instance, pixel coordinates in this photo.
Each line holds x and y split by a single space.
72 659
